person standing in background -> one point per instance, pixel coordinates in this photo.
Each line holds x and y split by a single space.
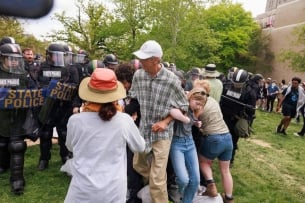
111 61
291 101
192 76
216 85
272 93
28 57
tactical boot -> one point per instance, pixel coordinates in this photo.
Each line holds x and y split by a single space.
43 164
211 190
3 169
18 187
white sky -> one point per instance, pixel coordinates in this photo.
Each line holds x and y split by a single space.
42 26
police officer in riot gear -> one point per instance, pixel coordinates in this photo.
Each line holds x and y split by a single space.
14 108
62 88
81 61
69 63
111 61
238 100
93 64
76 72
7 40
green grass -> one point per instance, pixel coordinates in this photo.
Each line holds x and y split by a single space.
268 168
49 186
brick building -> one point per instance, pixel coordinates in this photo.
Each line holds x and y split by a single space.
281 17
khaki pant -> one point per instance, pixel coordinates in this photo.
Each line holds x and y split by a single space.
153 168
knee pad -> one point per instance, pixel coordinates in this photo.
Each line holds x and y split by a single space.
3 145
17 146
3 142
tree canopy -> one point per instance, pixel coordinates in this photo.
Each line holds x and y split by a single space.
192 33
11 27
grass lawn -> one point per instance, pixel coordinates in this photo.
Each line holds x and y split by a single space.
268 168
49 186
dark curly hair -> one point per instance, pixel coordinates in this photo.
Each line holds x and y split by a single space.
296 79
107 111
124 72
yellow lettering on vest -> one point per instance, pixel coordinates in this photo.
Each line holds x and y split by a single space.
58 86
28 94
8 102
53 92
11 94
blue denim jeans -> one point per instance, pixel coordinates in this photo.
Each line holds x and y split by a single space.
184 159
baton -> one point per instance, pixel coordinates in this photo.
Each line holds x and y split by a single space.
240 103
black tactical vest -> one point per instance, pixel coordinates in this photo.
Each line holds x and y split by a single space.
16 99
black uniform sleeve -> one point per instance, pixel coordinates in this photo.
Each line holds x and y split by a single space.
132 107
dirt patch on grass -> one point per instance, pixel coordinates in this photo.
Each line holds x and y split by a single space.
260 143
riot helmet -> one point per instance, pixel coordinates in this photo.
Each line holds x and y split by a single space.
69 55
165 64
257 77
7 40
81 57
55 55
172 67
110 61
194 73
92 65
250 75
11 59
231 72
239 78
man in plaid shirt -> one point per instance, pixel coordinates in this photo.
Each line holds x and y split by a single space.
158 90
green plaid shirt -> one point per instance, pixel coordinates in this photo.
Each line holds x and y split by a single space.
156 96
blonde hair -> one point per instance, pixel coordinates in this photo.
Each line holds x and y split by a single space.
205 84
198 94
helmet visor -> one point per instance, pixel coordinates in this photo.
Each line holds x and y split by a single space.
79 58
238 85
69 58
14 64
57 58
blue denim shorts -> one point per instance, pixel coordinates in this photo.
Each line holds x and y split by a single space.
217 146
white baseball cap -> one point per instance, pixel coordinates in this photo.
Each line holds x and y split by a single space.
149 49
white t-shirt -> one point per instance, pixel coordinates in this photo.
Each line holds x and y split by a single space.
99 164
